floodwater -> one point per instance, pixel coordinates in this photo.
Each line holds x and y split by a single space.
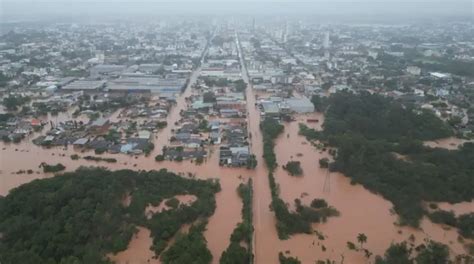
361 211
138 251
184 199
457 208
447 143
26 155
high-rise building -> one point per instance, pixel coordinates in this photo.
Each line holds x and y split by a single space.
326 40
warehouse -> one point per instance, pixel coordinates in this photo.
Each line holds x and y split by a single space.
145 84
84 85
299 105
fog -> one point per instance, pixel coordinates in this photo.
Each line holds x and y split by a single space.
358 10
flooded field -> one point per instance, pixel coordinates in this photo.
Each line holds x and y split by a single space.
361 211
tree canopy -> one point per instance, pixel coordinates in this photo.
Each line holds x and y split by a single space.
242 234
368 129
402 253
80 215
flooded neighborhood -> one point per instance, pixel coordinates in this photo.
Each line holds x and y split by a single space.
193 97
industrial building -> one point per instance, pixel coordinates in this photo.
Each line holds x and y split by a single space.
84 85
147 85
299 105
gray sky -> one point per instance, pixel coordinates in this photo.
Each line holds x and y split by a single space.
345 9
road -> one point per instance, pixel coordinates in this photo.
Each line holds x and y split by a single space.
263 218
174 114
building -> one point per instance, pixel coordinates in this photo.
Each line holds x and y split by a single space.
270 109
84 85
439 75
414 70
299 105
147 85
100 126
234 156
106 69
227 113
237 105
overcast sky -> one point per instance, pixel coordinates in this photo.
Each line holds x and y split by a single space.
357 9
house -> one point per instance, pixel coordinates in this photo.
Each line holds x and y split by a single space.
240 159
182 136
127 148
80 142
414 70
99 126
230 104
4 133
214 125
134 146
234 156
188 128
173 154
35 122
192 143
144 134
98 144
229 113
225 155
48 139
263 87
215 137
199 104
13 121
115 149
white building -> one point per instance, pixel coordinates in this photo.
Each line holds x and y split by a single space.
414 70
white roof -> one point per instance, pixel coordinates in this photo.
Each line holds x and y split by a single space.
144 134
80 141
439 75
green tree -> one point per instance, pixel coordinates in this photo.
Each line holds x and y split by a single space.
396 254
287 260
433 253
252 162
361 238
189 248
324 163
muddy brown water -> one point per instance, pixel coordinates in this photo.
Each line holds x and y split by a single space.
446 143
138 251
184 199
26 155
361 210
